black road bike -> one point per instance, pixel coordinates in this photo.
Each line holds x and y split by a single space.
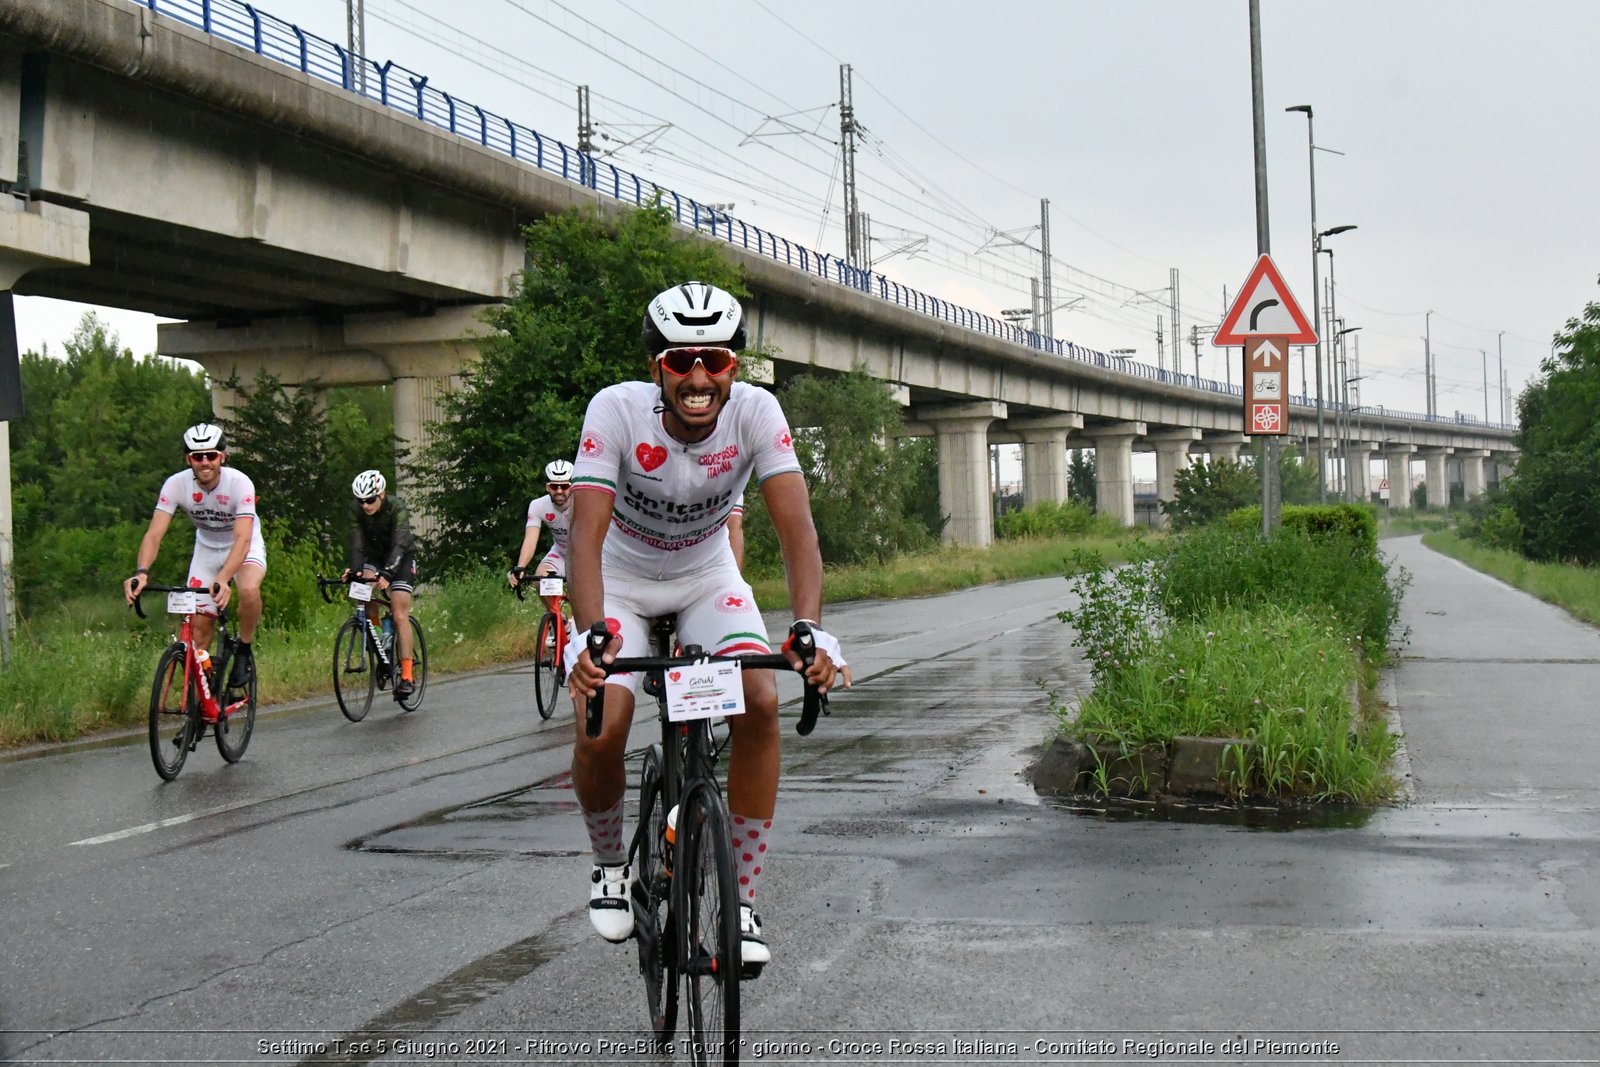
365 659
685 898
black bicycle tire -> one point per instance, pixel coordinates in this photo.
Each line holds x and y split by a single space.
419 667
240 724
353 630
162 719
546 703
703 875
658 960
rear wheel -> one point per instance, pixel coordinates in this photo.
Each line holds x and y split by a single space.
658 959
238 719
709 923
354 674
174 714
419 668
546 670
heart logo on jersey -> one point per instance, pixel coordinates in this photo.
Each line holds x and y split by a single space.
675 675
199 497
650 456
549 516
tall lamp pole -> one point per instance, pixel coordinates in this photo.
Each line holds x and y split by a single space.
1343 377
1316 309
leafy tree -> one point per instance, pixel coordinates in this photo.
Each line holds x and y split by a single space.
1204 492
865 482
570 329
1080 476
1555 493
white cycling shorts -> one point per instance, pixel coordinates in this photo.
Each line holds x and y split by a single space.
716 610
207 561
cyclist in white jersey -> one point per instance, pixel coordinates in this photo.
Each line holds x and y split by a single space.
661 465
554 510
221 501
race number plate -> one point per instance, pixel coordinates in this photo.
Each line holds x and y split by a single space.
552 586
704 691
183 603
360 591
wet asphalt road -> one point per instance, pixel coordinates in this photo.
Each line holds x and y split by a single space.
422 877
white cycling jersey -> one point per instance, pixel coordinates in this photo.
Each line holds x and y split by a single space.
214 512
543 512
671 501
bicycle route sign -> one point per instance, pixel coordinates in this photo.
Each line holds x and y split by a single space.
1266 320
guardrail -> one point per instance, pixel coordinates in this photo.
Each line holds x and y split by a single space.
411 93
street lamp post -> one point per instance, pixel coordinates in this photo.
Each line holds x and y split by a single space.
1342 376
1316 298
1316 310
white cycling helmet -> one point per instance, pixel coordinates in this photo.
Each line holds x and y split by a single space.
693 313
368 484
558 472
204 437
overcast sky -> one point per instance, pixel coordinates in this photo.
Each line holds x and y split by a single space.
1468 134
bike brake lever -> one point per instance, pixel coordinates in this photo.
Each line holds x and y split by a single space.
596 640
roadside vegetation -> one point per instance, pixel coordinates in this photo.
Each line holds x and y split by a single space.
1271 641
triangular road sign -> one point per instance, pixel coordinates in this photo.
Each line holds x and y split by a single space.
1264 308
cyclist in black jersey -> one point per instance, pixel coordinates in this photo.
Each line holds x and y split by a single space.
383 549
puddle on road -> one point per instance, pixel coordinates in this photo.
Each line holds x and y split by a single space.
535 820
1329 817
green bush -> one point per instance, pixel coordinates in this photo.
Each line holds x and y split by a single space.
1334 573
1054 518
1359 521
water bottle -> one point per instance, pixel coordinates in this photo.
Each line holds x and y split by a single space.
672 839
388 635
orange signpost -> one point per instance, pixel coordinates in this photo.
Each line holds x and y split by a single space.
1266 376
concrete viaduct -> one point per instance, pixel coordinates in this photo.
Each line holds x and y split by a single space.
302 227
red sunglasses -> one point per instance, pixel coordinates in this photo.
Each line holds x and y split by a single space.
681 361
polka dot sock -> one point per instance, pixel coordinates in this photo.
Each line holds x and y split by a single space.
750 853
605 835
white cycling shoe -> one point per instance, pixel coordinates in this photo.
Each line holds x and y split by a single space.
753 950
610 910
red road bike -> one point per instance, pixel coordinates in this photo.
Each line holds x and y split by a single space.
187 698
550 640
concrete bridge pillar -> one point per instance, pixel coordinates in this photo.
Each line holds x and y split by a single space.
1473 461
1172 453
1113 468
1399 457
1044 455
32 235
1433 458
965 495
1360 463
1224 445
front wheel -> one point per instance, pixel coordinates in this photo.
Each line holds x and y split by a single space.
419 667
658 947
174 713
708 923
355 675
238 720
546 667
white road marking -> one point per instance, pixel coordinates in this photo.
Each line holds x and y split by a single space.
174 821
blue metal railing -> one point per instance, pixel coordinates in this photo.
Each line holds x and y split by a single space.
410 93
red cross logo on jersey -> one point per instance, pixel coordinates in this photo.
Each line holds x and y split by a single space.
734 601
785 442
591 445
